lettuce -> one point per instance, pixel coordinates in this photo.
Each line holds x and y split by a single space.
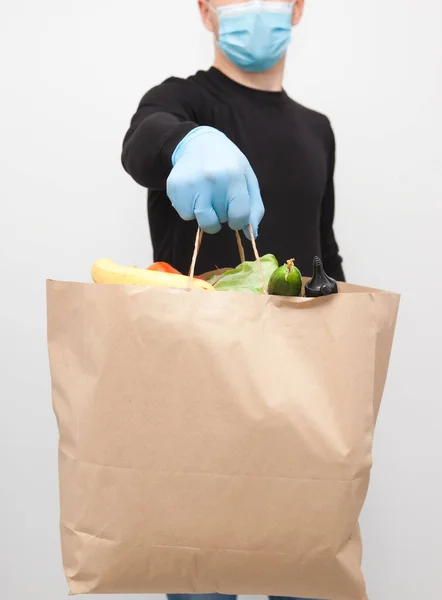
246 277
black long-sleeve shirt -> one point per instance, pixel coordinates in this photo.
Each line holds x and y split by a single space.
290 148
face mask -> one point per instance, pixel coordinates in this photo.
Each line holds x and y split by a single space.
255 35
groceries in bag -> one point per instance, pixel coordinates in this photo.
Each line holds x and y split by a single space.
250 277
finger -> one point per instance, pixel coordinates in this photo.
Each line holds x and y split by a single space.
204 212
238 203
257 209
219 186
181 195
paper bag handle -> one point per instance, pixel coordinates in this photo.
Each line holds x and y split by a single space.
198 241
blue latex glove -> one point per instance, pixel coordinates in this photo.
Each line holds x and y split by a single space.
212 181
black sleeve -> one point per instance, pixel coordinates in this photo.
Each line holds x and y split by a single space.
330 250
164 117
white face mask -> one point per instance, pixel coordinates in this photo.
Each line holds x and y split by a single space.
255 35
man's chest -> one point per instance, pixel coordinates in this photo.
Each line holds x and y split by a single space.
288 155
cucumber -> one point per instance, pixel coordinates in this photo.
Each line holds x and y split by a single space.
286 280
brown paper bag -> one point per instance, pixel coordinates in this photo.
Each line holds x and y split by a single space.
215 442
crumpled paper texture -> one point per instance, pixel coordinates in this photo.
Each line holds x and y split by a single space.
215 442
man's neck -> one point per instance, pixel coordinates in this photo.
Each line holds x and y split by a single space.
269 81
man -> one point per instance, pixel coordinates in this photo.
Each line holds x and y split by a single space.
218 147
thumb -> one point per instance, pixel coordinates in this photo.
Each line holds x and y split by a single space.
257 209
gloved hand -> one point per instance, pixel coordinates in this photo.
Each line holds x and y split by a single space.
212 181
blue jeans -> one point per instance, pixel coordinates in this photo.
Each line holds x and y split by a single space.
218 597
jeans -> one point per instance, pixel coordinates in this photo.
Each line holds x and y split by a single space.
219 597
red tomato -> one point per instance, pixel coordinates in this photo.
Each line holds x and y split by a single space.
163 267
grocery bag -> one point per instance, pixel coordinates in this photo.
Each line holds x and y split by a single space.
215 441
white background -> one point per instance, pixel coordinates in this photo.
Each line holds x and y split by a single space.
72 73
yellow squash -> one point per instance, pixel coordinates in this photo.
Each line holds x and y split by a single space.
106 271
